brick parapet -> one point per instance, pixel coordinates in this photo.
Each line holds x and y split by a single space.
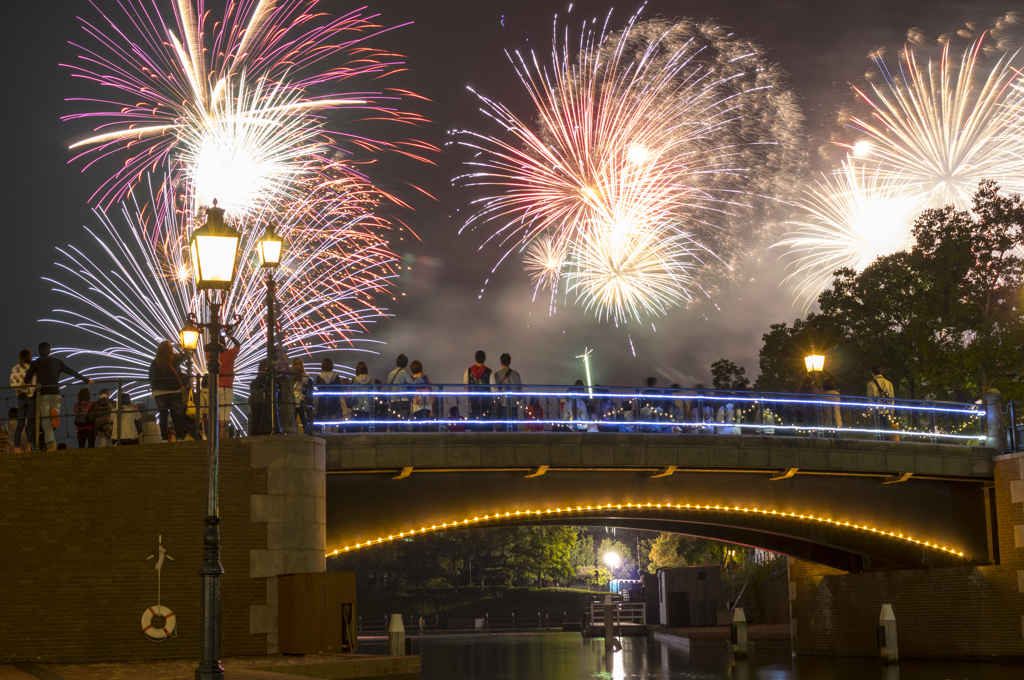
75 529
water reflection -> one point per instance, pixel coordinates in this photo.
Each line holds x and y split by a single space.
567 656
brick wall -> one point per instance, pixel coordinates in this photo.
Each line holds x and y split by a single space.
75 527
960 612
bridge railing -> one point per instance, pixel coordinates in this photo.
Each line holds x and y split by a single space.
560 408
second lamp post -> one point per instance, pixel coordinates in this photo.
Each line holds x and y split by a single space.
270 249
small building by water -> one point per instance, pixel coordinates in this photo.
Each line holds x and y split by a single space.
688 596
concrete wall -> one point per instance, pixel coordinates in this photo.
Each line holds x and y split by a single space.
77 525
940 613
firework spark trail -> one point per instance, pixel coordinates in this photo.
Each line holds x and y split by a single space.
131 295
945 123
936 122
251 97
850 218
667 135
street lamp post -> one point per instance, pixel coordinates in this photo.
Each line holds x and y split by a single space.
815 363
188 336
270 249
214 250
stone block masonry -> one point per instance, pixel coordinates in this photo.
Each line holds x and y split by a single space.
294 509
958 612
76 527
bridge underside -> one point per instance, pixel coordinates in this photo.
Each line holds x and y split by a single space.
849 522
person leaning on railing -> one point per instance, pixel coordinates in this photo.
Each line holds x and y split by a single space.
48 370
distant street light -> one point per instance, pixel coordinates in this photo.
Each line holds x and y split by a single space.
612 559
270 249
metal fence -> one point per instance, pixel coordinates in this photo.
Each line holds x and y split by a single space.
558 408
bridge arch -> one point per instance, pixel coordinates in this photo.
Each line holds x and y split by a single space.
848 522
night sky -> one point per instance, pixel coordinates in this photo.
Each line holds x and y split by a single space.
443 317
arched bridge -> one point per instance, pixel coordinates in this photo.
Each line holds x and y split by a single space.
850 504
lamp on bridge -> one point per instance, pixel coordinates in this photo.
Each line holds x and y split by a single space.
814 361
214 250
271 249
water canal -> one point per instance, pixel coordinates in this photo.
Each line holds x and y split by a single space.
567 656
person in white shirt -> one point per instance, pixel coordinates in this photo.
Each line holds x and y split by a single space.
125 422
401 379
506 379
879 387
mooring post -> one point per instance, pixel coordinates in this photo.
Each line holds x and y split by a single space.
738 633
887 643
396 636
610 643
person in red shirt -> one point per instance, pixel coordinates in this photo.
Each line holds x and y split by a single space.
226 385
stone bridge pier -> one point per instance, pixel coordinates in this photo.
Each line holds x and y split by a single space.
947 612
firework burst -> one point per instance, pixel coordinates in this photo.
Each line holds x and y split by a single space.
130 295
943 122
236 113
850 218
669 135
932 125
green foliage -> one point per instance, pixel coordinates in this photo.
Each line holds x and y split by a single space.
677 550
500 556
725 374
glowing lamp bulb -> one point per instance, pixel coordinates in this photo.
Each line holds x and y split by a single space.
612 560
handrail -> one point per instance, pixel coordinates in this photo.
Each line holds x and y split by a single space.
440 406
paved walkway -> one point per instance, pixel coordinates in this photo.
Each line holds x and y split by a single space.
12 673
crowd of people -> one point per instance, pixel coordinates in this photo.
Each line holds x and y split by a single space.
287 400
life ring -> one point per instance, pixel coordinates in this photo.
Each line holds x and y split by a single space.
158 622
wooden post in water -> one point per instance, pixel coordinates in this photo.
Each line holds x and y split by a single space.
887 643
738 633
396 636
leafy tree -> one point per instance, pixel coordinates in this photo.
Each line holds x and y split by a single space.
725 374
782 355
582 553
677 550
972 265
664 552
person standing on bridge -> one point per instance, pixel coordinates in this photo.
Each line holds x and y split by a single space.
422 403
881 389
26 404
507 380
48 370
477 379
832 418
328 406
400 378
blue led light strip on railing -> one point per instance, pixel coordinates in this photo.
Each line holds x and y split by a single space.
392 393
